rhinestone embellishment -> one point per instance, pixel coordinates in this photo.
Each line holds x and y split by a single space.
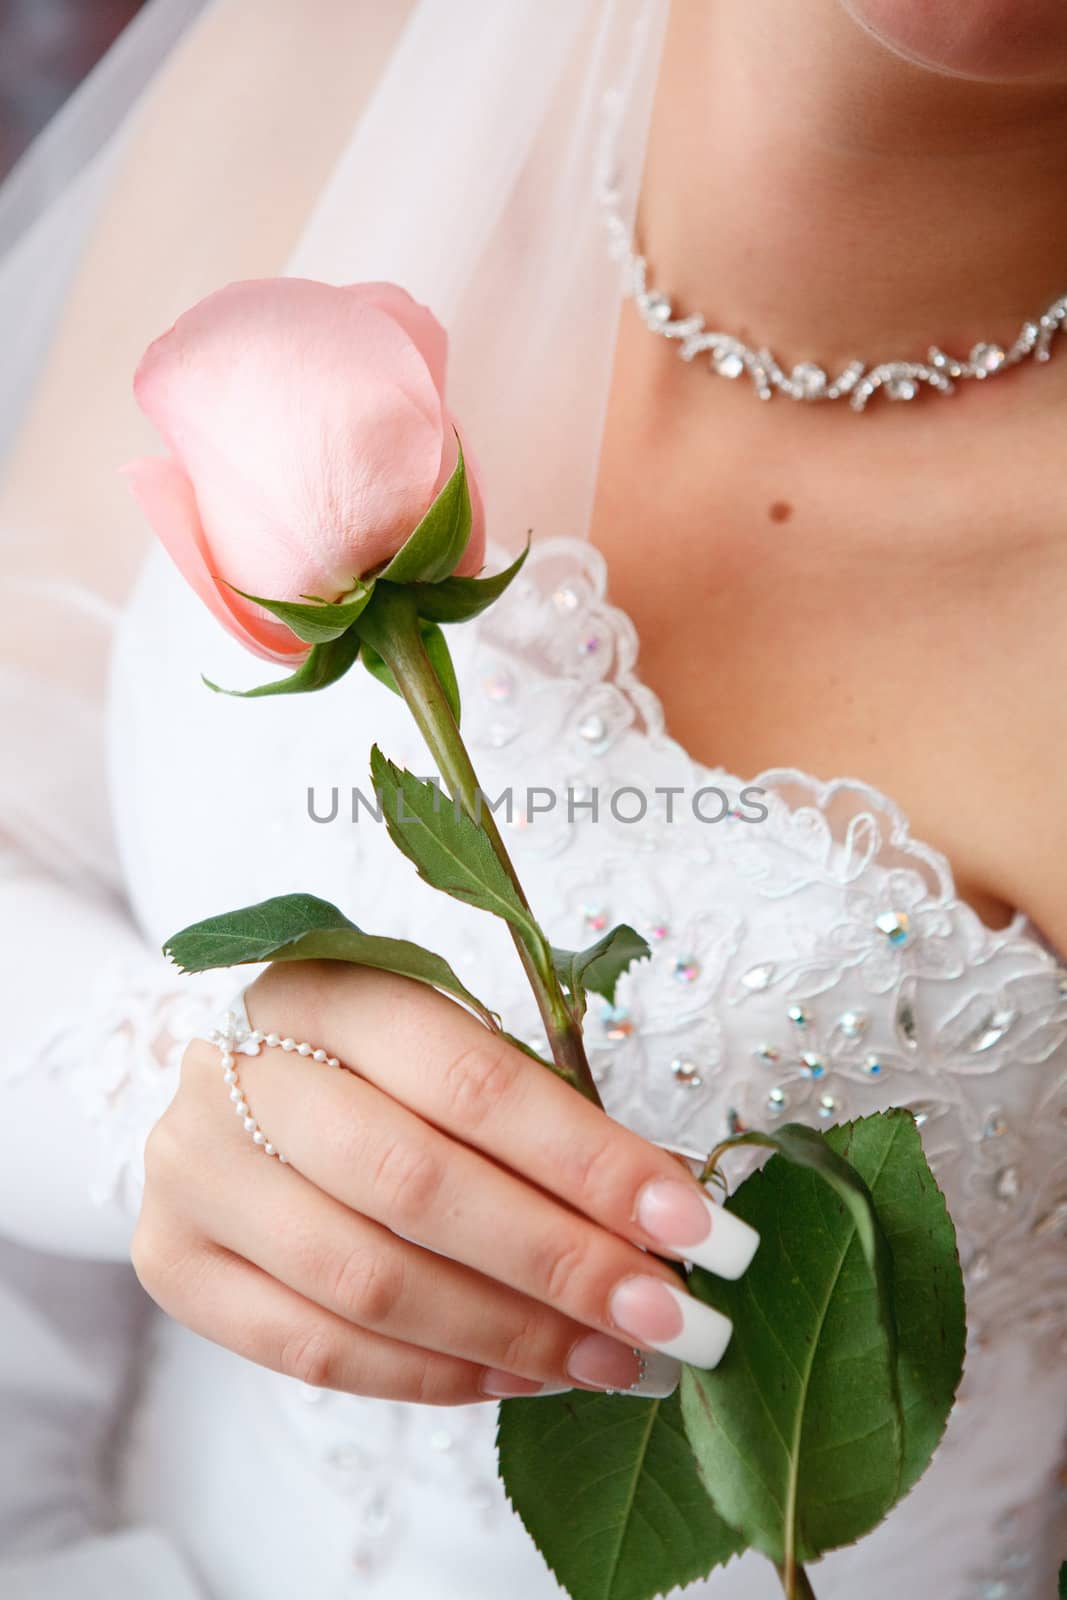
991 1029
995 1125
1006 1184
499 686
902 385
686 1072
987 359
895 925
810 380
729 357
727 363
616 1022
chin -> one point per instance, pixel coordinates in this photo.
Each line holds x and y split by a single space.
991 41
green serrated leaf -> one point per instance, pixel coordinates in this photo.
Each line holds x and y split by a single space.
323 665
450 851
599 968
607 1488
459 599
807 1433
433 551
319 623
928 1293
807 1147
301 927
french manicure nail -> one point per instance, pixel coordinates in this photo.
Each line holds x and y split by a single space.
683 1219
670 1320
604 1363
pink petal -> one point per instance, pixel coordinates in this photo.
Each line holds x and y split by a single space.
418 321
166 497
309 424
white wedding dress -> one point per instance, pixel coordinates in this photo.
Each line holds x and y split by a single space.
777 987
815 964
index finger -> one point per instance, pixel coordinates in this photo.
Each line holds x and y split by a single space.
441 1063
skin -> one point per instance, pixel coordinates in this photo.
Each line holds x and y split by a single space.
901 619
880 595
443 1127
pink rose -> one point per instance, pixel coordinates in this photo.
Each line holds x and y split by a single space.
308 434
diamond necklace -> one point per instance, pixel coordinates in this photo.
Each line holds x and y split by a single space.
730 357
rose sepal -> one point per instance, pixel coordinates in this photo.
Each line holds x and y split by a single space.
315 621
435 548
323 665
460 599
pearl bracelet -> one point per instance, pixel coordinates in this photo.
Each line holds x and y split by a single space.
235 1036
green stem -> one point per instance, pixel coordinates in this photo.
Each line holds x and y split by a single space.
796 1584
391 626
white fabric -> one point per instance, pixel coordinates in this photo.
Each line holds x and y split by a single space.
469 179
70 1333
762 916
47 203
92 114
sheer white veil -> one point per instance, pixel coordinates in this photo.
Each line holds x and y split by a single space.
469 176
47 203
471 180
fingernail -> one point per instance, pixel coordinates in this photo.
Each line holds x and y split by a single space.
507 1386
683 1219
603 1363
671 1320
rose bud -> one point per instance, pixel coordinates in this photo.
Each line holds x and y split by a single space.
308 435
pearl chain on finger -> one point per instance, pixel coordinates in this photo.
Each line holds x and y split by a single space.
234 1036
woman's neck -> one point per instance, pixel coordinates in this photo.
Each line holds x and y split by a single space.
809 191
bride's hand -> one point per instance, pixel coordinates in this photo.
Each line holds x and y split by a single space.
455 1223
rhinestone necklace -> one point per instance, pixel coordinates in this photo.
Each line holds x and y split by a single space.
730 357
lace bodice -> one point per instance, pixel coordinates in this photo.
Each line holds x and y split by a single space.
811 960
